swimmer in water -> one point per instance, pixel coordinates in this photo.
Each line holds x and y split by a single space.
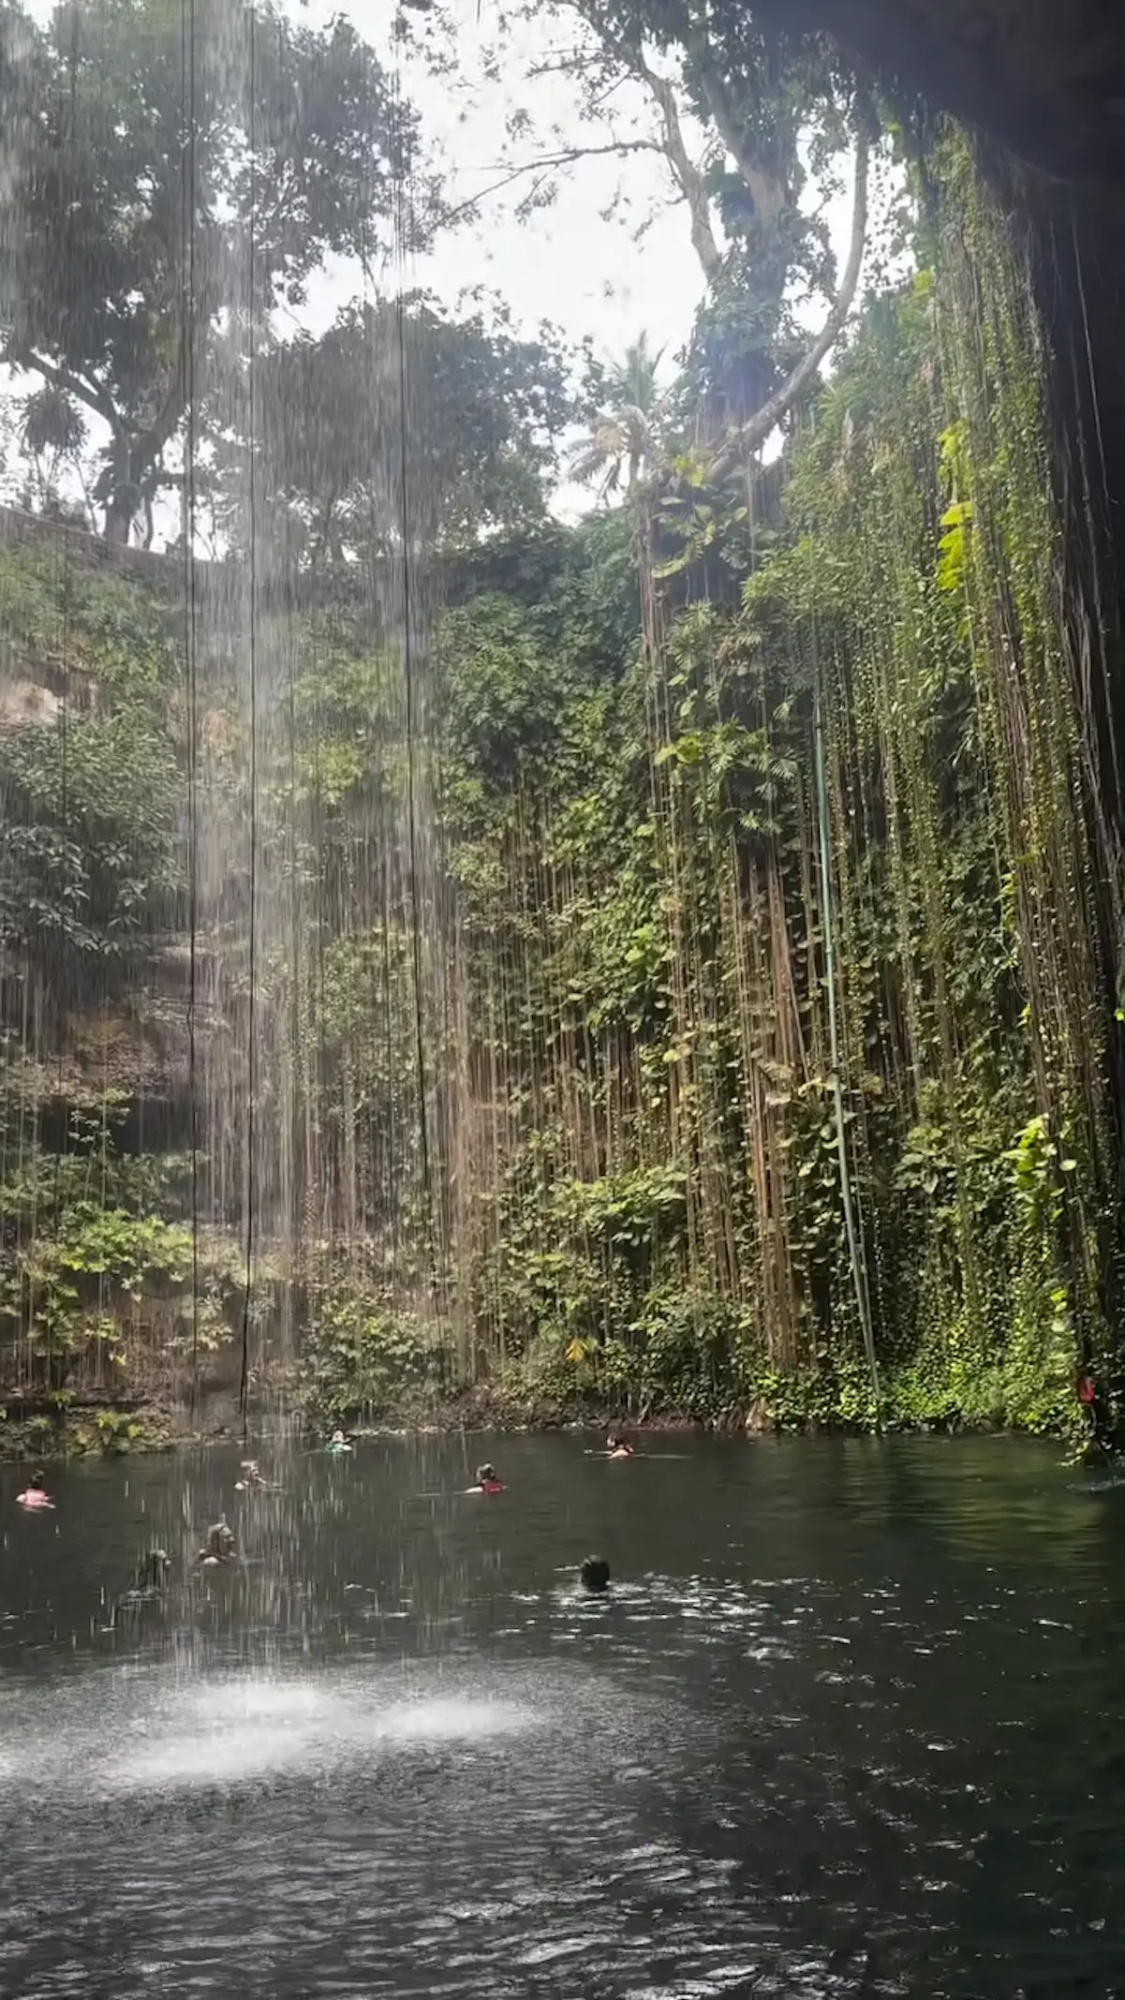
151 1572
616 1447
251 1480
35 1493
219 1546
594 1574
338 1442
487 1481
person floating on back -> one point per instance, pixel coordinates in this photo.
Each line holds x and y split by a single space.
219 1546
594 1574
34 1493
616 1447
487 1481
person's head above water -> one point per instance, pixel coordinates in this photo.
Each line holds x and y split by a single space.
595 1573
37 1482
485 1472
337 1437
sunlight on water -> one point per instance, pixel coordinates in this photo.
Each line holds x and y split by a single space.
240 1732
189 1733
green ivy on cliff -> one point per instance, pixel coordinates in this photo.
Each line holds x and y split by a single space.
788 1026
686 986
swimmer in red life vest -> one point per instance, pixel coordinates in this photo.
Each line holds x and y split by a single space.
34 1494
616 1447
1098 1412
487 1481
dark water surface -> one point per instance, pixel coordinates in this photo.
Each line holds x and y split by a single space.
853 1722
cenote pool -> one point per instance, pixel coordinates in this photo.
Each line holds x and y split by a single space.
852 1722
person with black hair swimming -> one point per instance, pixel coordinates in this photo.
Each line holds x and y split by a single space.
150 1572
594 1575
35 1493
487 1481
219 1546
616 1447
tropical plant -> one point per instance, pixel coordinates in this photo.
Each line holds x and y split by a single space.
625 430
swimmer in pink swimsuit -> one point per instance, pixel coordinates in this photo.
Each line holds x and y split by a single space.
34 1494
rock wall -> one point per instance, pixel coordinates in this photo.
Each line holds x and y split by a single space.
1044 77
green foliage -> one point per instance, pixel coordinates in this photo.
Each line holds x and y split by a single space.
103 291
91 1256
659 1215
482 407
83 1432
694 979
502 695
90 795
361 1358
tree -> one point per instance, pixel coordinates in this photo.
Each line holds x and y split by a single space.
745 118
406 426
158 201
625 430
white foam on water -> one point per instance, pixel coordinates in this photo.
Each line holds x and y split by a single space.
237 1730
224 1757
120 1733
452 1720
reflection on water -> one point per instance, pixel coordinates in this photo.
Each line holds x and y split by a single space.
849 1722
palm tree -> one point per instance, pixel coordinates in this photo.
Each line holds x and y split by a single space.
625 434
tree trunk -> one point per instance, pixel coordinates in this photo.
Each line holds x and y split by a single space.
118 523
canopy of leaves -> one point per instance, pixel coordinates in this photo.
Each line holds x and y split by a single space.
160 195
405 424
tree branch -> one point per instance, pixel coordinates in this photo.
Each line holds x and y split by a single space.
546 162
755 432
685 173
94 398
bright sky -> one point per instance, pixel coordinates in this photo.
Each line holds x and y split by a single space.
569 265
